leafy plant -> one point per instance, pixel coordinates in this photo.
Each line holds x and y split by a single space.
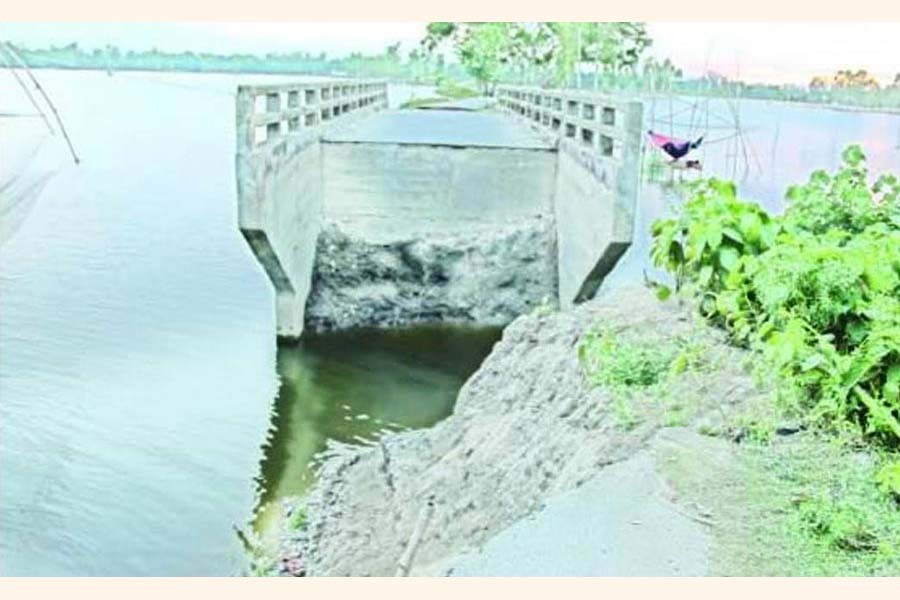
715 229
298 519
839 523
616 364
817 289
888 479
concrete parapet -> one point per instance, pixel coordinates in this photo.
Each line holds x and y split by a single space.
279 177
598 177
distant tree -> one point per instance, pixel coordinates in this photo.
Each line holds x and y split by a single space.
818 83
660 74
532 46
859 79
392 52
483 50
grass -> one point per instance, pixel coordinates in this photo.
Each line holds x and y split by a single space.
298 520
801 505
778 504
638 373
450 89
446 90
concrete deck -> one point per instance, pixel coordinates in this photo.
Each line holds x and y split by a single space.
463 128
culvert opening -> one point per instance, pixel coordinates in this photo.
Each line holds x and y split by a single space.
421 234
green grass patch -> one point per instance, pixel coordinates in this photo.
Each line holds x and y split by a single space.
816 290
804 505
298 519
638 373
455 91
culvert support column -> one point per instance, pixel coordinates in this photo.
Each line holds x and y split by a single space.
278 168
598 177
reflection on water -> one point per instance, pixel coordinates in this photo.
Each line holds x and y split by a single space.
353 386
137 353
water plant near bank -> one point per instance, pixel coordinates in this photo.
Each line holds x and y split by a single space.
816 289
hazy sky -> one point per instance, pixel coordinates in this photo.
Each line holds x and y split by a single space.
776 52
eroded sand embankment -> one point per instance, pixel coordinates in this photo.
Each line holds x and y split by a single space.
527 427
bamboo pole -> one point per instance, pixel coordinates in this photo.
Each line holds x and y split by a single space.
43 93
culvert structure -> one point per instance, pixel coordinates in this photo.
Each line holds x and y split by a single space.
367 217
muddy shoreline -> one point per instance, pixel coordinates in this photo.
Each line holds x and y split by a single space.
527 426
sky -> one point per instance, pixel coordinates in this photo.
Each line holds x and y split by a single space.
776 52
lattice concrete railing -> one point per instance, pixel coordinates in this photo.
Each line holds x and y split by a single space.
597 191
267 113
590 124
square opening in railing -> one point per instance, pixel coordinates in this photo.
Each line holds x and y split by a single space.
606 145
310 97
609 116
272 130
273 102
310 119
556 124
587 136
259 105
557 104
587 111
294 124
572 107
570 130
259 135
293 99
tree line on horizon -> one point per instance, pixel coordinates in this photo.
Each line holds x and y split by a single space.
601 55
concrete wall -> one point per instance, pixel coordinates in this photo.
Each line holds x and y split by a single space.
279 177
418 233
598 177
281 223
388 191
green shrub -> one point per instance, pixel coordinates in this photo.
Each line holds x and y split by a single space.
616 364
298 520
817 289
888 479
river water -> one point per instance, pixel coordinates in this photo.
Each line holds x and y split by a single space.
139 375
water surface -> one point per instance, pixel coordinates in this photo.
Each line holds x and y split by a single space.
138 363
354 387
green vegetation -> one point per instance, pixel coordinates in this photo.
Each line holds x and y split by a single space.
814 293
447 90
604 55
610 362
595 55
416 66
639 373
298 519
801 506
817 289
539 52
